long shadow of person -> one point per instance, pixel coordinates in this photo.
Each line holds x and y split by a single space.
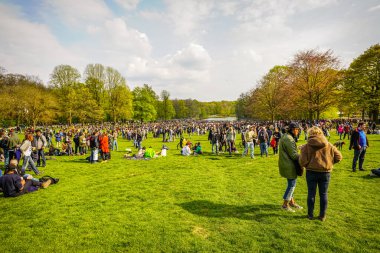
210 209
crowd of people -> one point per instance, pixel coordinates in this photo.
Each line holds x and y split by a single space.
96 141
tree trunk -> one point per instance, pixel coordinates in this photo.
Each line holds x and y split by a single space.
375 115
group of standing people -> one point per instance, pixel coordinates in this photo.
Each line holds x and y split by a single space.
318 157
31 149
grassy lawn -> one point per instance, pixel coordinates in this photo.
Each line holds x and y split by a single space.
207 203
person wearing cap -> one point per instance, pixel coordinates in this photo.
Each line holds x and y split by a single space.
288 155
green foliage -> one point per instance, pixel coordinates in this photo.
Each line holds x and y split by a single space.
165 106
362 82
144 103
64 76
25 99
202 203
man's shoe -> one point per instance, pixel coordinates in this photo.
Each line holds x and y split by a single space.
353 170
362 169
46 184
287 208
322 218
310 217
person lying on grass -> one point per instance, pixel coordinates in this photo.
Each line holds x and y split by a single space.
14 185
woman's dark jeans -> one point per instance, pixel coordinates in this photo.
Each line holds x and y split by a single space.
322 180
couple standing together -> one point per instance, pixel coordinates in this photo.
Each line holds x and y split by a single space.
318 157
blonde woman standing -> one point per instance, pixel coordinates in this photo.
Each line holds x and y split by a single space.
318 157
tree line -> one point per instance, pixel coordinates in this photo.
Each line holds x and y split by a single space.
313 84
100 94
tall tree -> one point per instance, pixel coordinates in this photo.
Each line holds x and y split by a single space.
95 79
64 78
273 87
144 103
362 82
166 109
315 76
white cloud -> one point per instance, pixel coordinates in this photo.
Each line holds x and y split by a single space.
76 13
188 16
194 57
30 48
128 4
374 8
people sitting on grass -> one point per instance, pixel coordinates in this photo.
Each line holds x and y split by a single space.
163 151
198 149
149 153
13 185
186 150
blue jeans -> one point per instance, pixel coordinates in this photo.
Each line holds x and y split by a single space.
41 157
322 180
251 147
358 154
29 161
216 146
263 149
114 145
6 158
288 195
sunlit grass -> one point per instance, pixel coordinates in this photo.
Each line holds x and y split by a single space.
207 203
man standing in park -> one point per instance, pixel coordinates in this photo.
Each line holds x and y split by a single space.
250 136
359 142
14 143
231 136
41 144
94 145
263 139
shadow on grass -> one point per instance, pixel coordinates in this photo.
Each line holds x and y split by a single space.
210 209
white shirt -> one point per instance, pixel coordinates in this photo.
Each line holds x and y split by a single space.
186 150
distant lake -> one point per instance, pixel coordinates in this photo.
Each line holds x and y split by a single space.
222 119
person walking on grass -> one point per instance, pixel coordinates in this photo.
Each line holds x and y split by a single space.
359 142
318 157
288 155
26 149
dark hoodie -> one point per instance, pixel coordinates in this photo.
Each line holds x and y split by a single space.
318 154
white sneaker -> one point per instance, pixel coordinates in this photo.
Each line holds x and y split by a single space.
287 208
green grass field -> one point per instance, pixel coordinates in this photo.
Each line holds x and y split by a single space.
207 203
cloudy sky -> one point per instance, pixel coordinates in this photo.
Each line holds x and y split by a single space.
202 49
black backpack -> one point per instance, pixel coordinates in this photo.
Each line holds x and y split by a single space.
261 136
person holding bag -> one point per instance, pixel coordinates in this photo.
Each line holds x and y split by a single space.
318 157
288 157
